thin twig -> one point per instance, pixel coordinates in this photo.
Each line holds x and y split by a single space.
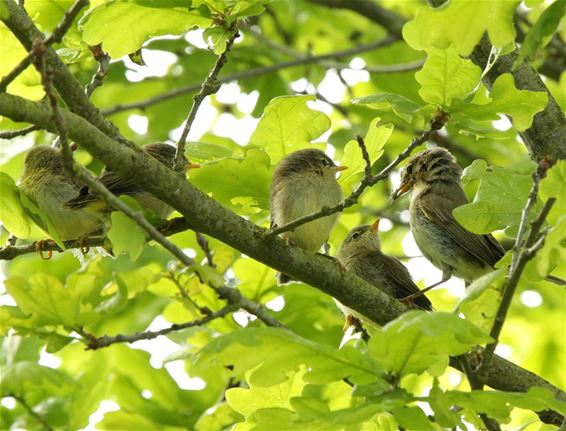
103 60
94 343
524 250
9 134
11 251
250 73
32 412
209 86
55 37
436 124
330 64
203 244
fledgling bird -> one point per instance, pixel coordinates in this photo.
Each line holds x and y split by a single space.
303 183
46 182
434 178
119 185
361 254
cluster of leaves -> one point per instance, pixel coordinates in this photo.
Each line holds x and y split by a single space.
277 379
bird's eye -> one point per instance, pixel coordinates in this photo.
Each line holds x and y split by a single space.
356 235
409 169
325 162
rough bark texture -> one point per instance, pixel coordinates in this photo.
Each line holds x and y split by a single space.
547 135
209 217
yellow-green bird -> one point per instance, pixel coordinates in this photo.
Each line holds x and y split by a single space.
120 186
46 182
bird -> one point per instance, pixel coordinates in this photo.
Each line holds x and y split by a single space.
433 175
361 254
120 185
303 183
48 184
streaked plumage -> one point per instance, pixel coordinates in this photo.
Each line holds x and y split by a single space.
361 253
434 177
119 185
46 182
303 183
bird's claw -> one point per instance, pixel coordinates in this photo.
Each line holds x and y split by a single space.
39 245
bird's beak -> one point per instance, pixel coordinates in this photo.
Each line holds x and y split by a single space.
340 168
373 228
192 166
403 188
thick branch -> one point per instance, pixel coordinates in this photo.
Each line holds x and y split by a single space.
209 217
547 135
69 88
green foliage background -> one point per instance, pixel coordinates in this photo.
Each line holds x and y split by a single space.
263 378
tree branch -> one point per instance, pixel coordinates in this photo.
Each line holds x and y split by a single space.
250 73
32 412
547 134
209 86
56 37
235 231
9 252
94 343
68 87
436 123
521 256
9 134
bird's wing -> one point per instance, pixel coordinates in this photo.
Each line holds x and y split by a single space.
404 285
438 209
112 181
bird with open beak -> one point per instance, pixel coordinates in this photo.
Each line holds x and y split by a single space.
433 176
361 253
303 183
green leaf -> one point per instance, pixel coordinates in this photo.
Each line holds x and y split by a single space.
142 23
375 140
521 105
46 299
498 202
287 125
552 187
204 151
545 26
125 234
401 106
462 23
216 38
553 254
229 179
22 377
412 418
482 298
247 401
118 301
418 341
255 279
446 76
11 211
273 353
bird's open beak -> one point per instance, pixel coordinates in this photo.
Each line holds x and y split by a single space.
373 228
403 188
192 166
340 168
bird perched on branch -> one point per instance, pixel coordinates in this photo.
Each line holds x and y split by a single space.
303 183
119 185
361 254
434 178
46 182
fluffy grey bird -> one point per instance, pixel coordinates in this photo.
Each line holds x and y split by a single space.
303 183
119 185
46 182
361 253
434 178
